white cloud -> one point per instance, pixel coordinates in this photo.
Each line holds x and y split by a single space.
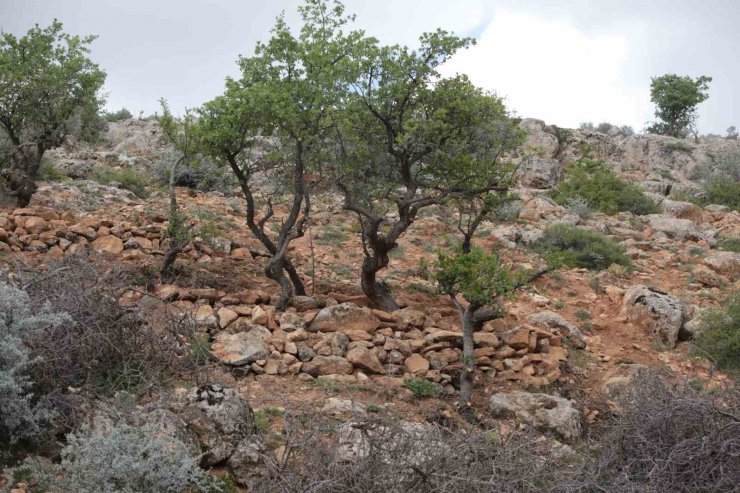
553 71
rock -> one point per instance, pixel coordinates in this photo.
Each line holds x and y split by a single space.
539 172
220 418
443 336
35 225
519 338
540 208
108 244
241 253
327 365
682 210
226 316
539 410
691 329
337 343
365 359
239 349
336 406
706 276
290 321
555 321
204 316
616 386
245 459
725 263
260 316
407 318
679 229
416 364
355 443
345 316
655 310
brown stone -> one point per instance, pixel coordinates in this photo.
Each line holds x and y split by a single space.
416 364
365 359
226 316
327 365
108 244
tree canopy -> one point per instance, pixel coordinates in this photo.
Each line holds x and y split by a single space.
45 78
676 98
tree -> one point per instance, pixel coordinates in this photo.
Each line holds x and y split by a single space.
676 98
410 139
275 120
179 133
45 78
732 132
477 283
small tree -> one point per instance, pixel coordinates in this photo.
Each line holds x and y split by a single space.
732 132
45 79
410 139
179 133
477 283
284 101
676 98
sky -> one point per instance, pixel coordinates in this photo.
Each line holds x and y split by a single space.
564 62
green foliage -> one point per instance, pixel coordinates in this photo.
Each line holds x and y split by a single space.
722 191
49 172
478 276
125 178
46 79
263 417
676 98
720 335
563 244
590 180
22 416
121 458
729 244
422 387
117 116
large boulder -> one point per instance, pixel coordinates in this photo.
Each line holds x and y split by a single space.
239 349
725 263
539 173
679 229
541 411
343 317
327 365
657 311
554 321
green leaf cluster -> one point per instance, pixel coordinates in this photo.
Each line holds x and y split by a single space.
720 337
563 244
478 276
590 180
676 98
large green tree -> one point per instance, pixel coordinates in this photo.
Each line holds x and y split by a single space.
410 139
46 78
676 98
275 120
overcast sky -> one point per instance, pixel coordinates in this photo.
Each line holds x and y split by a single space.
561 61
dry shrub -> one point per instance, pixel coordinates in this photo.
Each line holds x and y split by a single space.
104 347
673 438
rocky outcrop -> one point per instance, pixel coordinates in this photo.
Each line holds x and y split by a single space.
541 411
656 311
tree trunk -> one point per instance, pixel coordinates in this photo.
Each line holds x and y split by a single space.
20 175
275 271
177 233
467 243
468 373
377 292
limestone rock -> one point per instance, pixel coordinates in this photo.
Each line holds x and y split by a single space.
655 310
327 365
539 410
108 244
555 321
345 316
725 263
365 359
239 349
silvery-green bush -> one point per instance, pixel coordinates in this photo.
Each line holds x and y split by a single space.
121 458
22 415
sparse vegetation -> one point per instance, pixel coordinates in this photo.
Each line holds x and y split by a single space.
719 339
422 387
117 116
563 244
125 178
591 181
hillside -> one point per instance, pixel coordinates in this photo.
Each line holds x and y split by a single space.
579 336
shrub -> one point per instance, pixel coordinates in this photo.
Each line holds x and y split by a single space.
578 207
117 116
670 438
22 415
125 178
49 172
722 191
121 458
422 387
563 244
720 335
729 244
589 180
203 174
102 346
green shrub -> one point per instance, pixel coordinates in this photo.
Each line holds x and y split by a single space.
722 191
422 387
125 178
720 335
201 174
729 244
49 172
117 116
591 181
23 416
124 459
563 244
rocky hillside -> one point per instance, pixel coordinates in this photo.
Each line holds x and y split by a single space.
558 362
